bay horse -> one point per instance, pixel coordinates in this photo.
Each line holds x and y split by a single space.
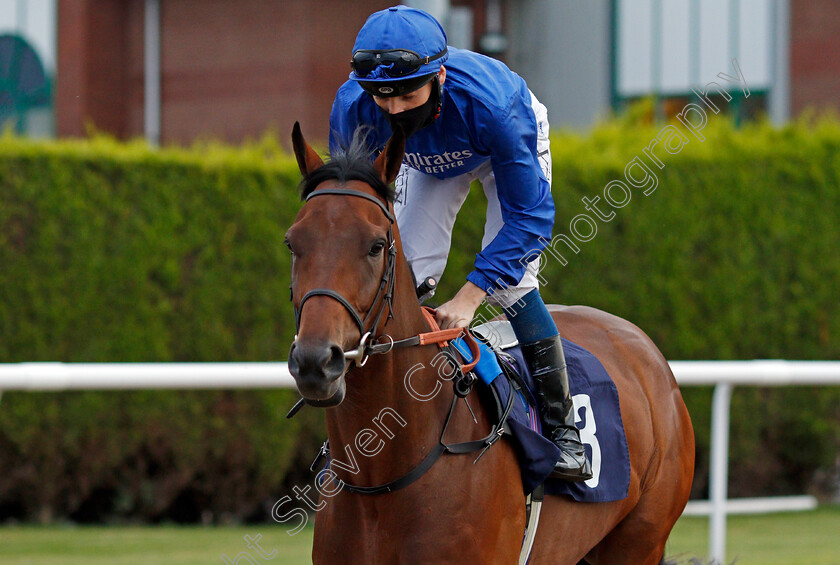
354 298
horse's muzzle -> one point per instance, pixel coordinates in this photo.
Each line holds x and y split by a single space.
318 370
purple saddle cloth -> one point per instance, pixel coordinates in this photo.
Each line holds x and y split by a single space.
597 416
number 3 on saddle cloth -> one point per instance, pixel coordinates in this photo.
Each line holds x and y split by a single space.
597 416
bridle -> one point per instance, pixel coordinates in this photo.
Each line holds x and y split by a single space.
368 344
385 292
462 381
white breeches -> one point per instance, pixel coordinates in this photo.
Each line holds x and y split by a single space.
426 207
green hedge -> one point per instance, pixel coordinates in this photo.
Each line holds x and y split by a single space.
117 252
122 253
114 253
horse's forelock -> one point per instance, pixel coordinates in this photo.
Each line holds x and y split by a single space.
354 162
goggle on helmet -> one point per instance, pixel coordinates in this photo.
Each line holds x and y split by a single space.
398 50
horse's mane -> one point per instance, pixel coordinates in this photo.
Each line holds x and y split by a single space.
349 163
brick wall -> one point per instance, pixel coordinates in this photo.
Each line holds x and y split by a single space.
97 65
815 54
230 70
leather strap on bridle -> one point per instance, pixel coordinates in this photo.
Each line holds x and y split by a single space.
435 336
357 193
335 296
385 291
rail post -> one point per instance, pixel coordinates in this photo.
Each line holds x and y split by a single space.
719 466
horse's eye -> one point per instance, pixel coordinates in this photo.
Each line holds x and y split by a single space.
376 248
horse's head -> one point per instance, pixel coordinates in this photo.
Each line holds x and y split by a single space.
343 260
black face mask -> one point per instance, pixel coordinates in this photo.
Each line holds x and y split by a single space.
417 118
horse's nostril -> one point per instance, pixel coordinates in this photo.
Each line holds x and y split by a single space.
293 359
324 361
337 361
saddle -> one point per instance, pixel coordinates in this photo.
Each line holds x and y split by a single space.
502 368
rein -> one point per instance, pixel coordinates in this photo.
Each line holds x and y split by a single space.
436 336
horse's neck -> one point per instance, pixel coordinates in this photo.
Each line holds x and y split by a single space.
389 419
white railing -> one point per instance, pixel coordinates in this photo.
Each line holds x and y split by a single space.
128 376
723 375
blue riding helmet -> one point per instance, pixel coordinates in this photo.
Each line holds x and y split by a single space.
398 50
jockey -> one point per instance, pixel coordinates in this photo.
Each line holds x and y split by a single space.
470 119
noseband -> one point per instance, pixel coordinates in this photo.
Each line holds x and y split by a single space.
386 285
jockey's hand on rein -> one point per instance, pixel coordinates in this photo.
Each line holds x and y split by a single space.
458 312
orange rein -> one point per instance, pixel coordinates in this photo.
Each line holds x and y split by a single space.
442 337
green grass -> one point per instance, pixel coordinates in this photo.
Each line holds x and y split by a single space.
796 538
802 538
165 545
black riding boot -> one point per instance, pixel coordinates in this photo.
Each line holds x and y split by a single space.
548 365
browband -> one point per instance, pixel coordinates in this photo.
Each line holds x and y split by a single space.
358 193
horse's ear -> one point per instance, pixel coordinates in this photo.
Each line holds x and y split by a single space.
308 160
389 161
